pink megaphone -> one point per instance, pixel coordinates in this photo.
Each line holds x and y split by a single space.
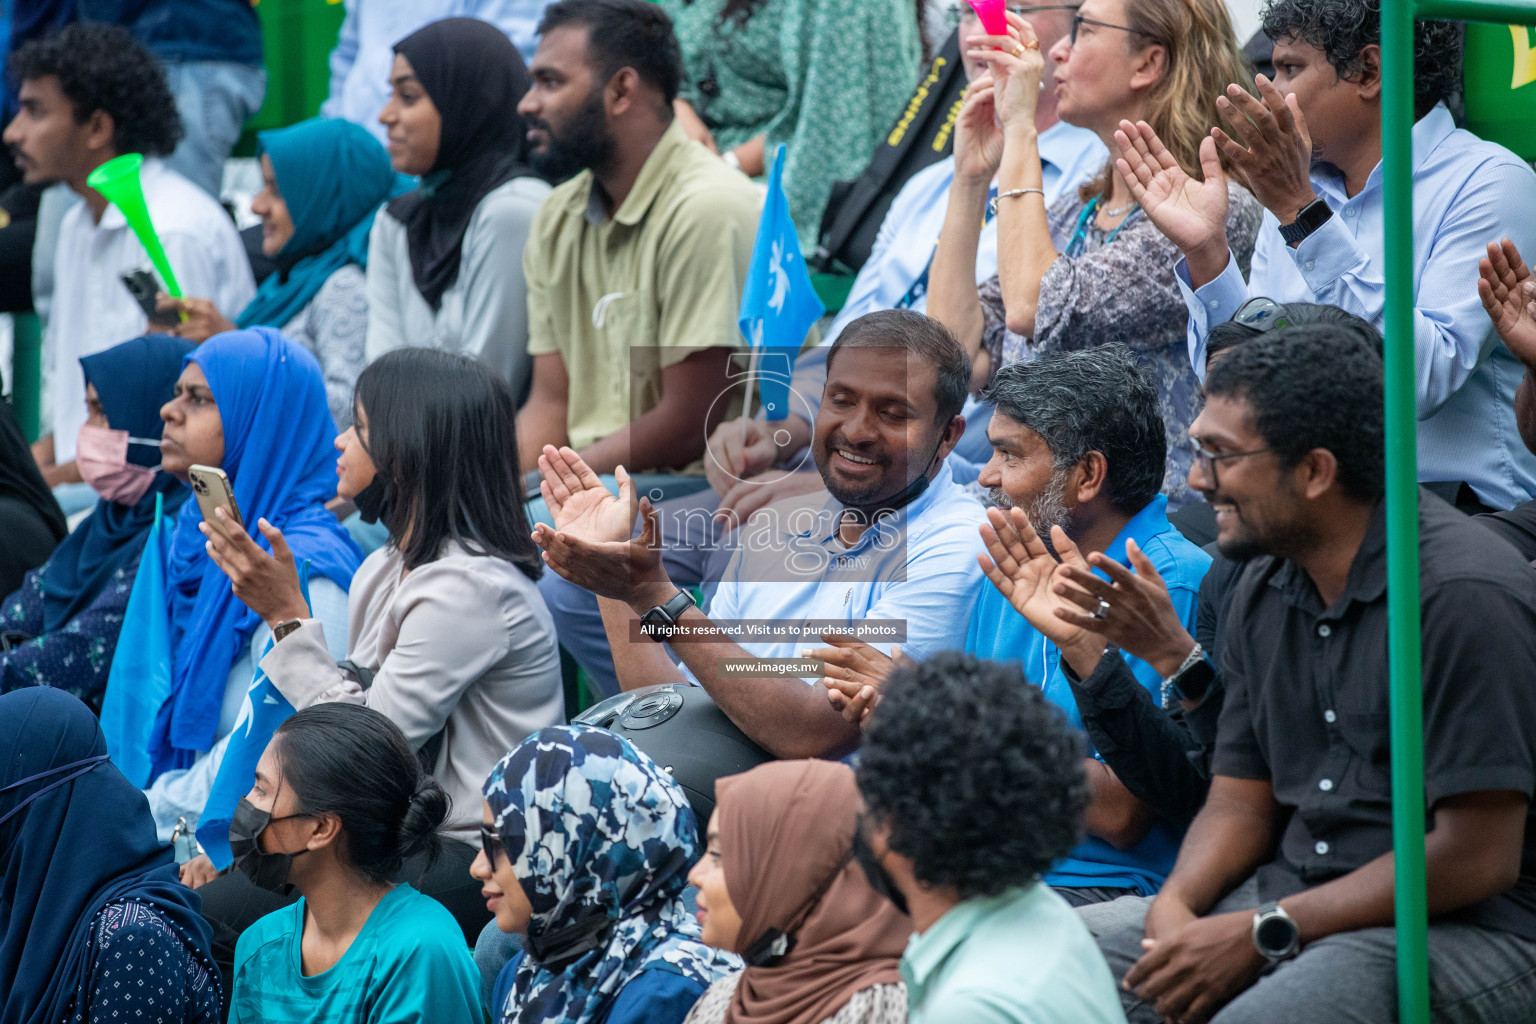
993 16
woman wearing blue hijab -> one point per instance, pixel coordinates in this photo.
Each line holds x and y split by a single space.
253 404
72 605
323 181
586 848
94 925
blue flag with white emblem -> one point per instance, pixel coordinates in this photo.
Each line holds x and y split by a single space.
263 711
779 306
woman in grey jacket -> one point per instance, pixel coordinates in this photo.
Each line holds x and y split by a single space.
448 635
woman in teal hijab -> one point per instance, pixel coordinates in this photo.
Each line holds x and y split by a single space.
324 179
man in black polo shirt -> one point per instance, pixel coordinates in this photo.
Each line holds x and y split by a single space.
1299 810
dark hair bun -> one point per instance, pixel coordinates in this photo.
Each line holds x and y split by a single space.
424 816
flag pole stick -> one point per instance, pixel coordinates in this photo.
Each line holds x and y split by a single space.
746 408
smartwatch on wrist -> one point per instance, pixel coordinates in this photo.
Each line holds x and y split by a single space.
1191 679
1312 216
661 621
1275 934
282 629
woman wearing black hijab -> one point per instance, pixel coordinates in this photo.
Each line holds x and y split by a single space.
445 261
94 925
30 520
72 605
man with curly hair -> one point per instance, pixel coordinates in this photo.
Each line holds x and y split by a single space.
973 786
1280 907
90 93
1310 147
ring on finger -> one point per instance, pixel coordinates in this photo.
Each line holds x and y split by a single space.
1018 50
1102 611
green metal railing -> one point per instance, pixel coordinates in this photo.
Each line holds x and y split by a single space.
1407 701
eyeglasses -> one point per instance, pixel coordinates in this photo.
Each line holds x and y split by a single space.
1207 459
490 842
1261 314
1080 20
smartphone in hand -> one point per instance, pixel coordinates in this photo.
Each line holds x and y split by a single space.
213 490
141 284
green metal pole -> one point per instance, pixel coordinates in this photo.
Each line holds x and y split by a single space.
1404 654
27 373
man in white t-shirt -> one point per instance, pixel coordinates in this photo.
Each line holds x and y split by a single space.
88 94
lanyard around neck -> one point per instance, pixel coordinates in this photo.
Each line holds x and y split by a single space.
1080 235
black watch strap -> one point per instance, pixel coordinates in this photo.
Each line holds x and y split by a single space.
661 621
1312 216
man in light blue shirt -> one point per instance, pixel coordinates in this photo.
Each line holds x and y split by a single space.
972 786
1313 158
1078 444
739 464
890 556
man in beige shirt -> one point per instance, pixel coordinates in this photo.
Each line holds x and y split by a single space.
635 266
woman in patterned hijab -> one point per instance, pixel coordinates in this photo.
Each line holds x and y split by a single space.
586 849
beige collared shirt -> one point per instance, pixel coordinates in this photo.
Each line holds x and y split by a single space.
621 298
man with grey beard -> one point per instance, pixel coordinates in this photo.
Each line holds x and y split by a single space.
1078 454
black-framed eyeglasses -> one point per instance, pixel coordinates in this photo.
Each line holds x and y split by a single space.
1207 459
490 842
1262 314
1080 20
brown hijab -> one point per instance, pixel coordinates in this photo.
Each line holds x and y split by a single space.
786 827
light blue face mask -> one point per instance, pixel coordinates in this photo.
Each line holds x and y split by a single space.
80 768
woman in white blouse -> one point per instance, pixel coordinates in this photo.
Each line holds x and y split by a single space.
448 635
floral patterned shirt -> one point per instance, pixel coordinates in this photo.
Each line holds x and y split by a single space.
1122 289
144 972
77 656
826 78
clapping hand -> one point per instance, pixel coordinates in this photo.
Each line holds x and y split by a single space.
590 544
1024 571
1136 610
1191 214
854 674
1508 290
1272 146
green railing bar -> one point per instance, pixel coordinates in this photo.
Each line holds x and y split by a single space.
27 373
1502 12
1404 654
1407 700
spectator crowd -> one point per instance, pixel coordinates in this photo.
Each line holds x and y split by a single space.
1010 647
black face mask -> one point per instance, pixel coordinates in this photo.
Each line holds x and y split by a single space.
555 950
879 878
865 514
267 870
374 501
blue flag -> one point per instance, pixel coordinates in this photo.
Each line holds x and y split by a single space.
139 681
778 306
263 711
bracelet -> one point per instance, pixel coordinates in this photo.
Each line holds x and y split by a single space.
1190 660
732 160
1011 194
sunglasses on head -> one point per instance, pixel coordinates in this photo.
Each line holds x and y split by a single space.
1261 314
